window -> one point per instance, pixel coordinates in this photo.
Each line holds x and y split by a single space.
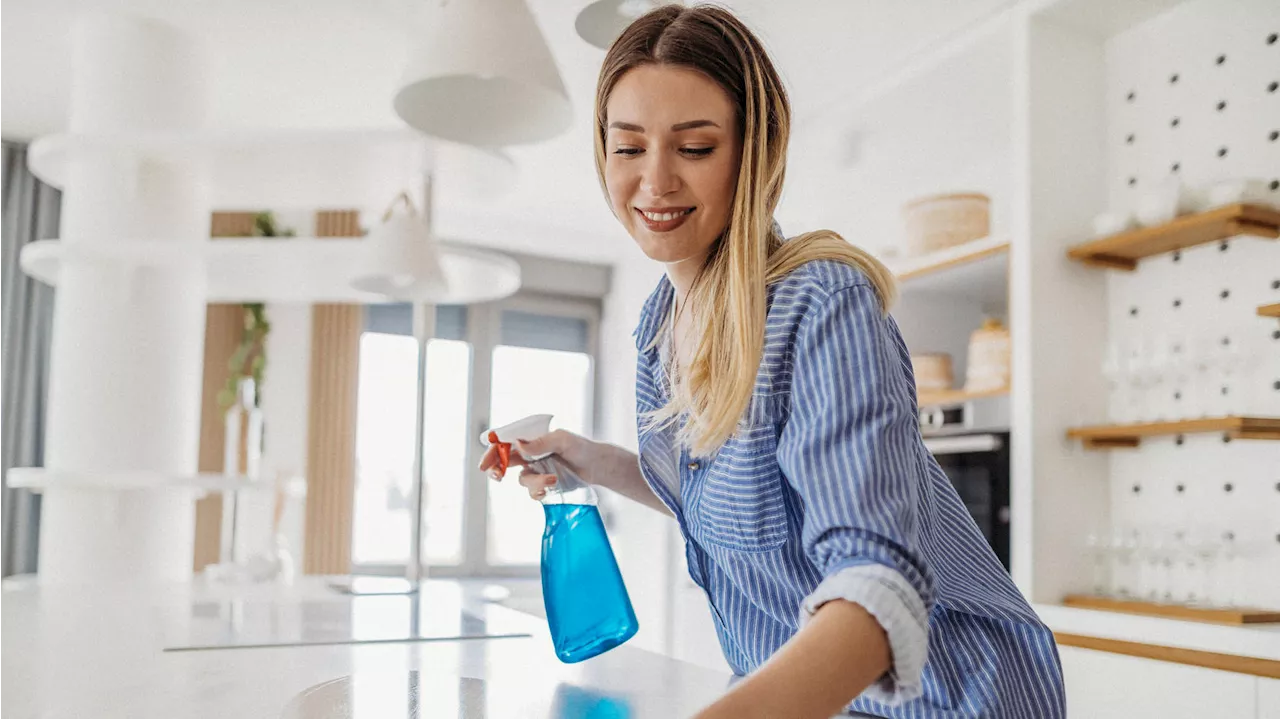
487 365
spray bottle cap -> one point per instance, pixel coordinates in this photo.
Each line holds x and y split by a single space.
525 429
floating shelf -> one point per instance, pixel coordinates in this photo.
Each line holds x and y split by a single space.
294 269
1270 310
1113 436
1213 615
291 167
1122 251
955 396
977 269
39 479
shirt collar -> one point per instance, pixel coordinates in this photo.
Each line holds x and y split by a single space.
658 306
656 309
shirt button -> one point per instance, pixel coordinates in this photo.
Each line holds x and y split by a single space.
693 466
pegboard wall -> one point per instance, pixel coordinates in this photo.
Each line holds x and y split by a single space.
1194 94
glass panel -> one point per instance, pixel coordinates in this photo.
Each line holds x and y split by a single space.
447 435
385 417
548 332
396 318
384 448
531 381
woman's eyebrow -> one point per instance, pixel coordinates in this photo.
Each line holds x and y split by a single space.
690 125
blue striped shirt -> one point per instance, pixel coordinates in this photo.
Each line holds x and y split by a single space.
826 473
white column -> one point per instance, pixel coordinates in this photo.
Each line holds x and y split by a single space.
125 375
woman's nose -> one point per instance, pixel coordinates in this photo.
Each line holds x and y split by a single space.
659 178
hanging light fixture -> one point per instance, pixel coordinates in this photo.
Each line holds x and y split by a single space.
401 260
480 73
601 22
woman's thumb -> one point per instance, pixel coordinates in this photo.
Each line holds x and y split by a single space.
529 448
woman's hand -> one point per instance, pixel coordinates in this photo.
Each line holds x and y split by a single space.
581 454
597 463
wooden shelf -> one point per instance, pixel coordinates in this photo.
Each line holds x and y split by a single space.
1112 436
1177 655
950 257
1122 251
1270 310
977 269
955 396
1213 615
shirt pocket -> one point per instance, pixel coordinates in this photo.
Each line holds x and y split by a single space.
742 506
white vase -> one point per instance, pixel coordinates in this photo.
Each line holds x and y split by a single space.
242 445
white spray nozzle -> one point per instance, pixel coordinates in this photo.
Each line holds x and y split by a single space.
531 427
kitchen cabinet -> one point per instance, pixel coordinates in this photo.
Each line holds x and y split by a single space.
1101 685
1268 698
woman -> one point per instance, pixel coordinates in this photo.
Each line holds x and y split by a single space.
778 417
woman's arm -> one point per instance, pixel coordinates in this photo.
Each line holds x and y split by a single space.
851 450
828 663
620 472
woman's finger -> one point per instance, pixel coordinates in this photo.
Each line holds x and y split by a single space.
489 459
489 462
550 443
534 481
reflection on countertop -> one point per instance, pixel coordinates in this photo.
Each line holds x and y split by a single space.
418 695
72 651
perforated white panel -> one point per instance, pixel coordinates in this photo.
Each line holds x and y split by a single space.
1193 94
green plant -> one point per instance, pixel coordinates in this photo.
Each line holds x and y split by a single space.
250 357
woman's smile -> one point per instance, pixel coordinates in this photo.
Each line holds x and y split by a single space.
659 219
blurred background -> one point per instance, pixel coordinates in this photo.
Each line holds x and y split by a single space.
270 271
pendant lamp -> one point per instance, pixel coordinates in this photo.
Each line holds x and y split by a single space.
480 73
601 22
401 260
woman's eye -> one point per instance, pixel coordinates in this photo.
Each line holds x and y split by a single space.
627 151
697 151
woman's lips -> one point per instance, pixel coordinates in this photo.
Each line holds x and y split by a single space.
664 219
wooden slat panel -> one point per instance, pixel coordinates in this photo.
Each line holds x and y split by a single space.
331 423
231 224
223 324
1193 657
1123 251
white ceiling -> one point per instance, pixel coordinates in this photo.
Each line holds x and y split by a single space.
334 64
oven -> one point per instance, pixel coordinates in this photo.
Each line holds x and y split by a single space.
970 441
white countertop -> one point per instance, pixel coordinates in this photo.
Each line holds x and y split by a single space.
1250 640
99 652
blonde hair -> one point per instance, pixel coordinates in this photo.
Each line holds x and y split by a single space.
715 392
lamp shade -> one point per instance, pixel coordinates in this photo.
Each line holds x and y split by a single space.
480 73
401 260
601 22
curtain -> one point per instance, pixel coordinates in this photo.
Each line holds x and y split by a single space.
31 211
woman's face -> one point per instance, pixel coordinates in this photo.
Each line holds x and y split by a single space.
671 161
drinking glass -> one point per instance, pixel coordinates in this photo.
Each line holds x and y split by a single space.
1114 370
1124 545
1099 550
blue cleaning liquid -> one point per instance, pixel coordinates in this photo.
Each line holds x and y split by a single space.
587 604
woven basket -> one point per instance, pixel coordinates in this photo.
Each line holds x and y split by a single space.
932 371
941 221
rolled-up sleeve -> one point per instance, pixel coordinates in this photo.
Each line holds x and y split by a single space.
850 448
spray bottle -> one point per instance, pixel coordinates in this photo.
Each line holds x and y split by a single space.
587 605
